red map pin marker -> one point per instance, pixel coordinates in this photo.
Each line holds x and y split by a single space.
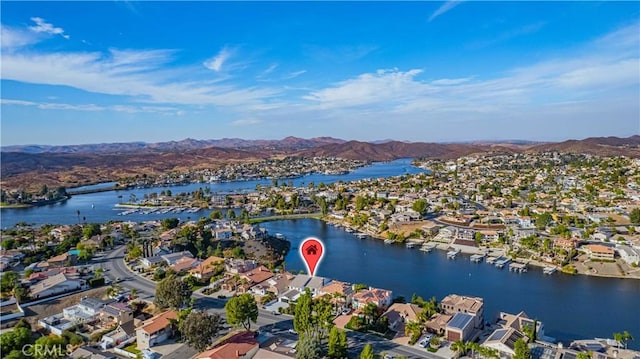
312 251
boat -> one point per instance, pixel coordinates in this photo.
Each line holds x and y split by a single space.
549 270
410 245
361 235
452 254
501 262
477 258
388 241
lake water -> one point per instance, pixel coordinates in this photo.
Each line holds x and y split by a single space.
571 307
99 207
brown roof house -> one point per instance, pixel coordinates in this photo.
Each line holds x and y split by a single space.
155 330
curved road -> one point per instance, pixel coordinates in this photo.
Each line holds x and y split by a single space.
267 322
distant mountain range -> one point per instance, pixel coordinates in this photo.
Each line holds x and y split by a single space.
30 166
288 143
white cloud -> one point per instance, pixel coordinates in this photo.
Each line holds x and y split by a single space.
215 63
294 74
444 8
15 38
141 74
44 27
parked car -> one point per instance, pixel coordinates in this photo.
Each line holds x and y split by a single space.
424 342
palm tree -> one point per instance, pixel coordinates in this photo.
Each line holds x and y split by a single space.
474 347
459 347
623 338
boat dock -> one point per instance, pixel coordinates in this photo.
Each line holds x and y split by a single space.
428 247
518 267
549 270
501 262
477 258
361 235
410 245
491 260
452 254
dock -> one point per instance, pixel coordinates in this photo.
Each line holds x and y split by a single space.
410 245
518 267
452 254
477 258
491 260
549 270
361 235
501 262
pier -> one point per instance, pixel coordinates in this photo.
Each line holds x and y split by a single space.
549 270
501 262
452 254
477 258
491 260
518 267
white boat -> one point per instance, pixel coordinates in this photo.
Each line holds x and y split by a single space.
388 241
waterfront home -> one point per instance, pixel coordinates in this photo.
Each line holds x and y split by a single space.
629 254
242 345
454 303
566 244
207 268
155 330
222 234
380 297
599 252
172 258
399 314
520 322
460 327
278 284
57 284
302 281
503 340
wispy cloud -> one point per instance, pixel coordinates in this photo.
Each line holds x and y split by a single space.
89 107
14 38
44 27
215 63
444 8
294 74
246 122
508 35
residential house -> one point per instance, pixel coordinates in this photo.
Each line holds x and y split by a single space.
254 277
116 313
438 323
56 284
520 322
184 264
62 260
84 312
380 297
503 340
121 334
278 284
155 330
303 281
399 314
599 252
207 268
222 233
152 261
341 293
240 265
172 258
240 346
90 353
566 244
460 327
629 254
454 303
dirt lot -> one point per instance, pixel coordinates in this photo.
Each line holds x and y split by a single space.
39 311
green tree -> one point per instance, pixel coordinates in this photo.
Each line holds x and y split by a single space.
583 355
55 348
231 214
623 338
522 350
543 220
172 292
367 352
15 339
459 347
242 310
419 206
199 328
9 280
215 215
90 230
634 216
308 348
337 344
302 314
169 223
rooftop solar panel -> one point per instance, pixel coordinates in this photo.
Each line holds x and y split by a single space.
498 334
460 320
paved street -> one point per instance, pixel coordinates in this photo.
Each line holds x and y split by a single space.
115 268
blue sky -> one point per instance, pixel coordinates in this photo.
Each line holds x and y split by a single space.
92 72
